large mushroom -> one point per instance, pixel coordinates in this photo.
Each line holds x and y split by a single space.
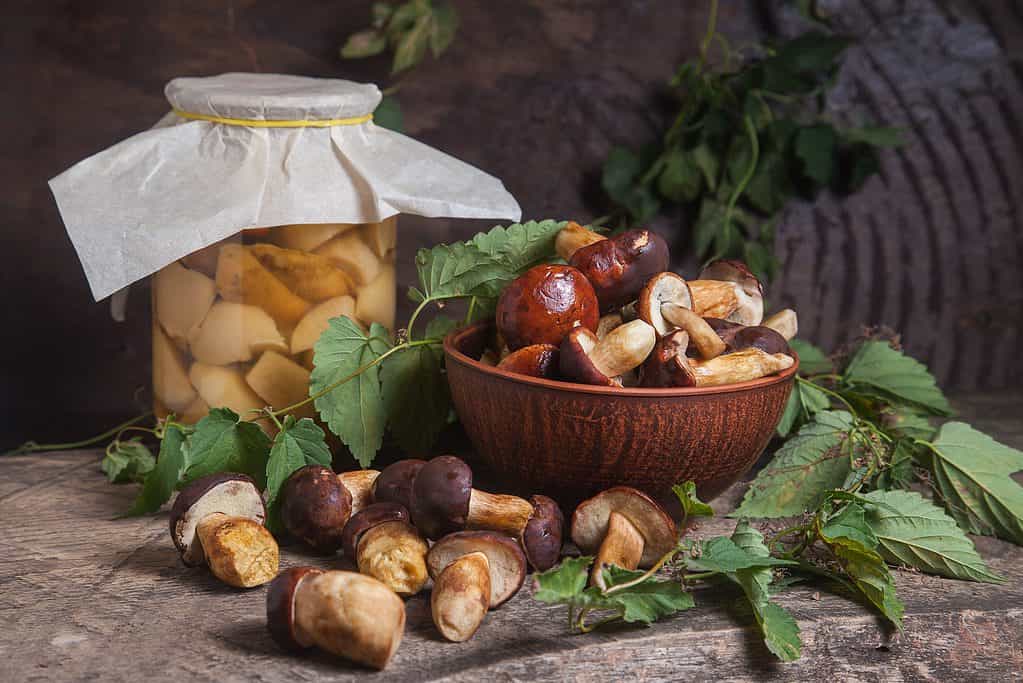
587 359
218 520
384 545
473 572
622 526
668 365
727 289
619 267
543 304
316 503
666 303
348 614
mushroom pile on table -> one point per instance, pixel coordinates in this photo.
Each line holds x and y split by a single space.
615 316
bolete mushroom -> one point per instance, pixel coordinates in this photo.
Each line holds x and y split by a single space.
543 304
535 360
315 506
666 303
345 613
217 520
784 322
543 534
727 289
622 526
382 543
668 365
609 322
589 360
394 484
473 572
574 237
619 267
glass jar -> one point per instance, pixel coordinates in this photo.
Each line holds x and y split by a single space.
234 324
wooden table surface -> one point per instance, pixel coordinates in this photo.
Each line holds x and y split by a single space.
87 596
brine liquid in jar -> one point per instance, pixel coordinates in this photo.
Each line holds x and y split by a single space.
234 324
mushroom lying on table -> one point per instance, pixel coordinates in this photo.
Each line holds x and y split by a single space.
587 359
622 526
384 545
473 572
217 520
348 614
316 503
668 365
727 289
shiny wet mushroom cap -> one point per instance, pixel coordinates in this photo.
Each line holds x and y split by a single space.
535 360
667 365
618 267
543 304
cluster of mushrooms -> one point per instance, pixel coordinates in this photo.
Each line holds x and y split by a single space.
411 522
615 316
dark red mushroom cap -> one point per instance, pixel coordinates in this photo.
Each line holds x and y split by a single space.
544 533
367 518
574 359
543 304
230 493
667 365
507 561
440 496
758 337
280 608
535 360
619 267
315 506
394 483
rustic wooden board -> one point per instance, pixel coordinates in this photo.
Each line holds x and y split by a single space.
84 595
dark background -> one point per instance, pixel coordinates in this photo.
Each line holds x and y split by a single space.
535 92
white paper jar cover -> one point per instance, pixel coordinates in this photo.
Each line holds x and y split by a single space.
185 184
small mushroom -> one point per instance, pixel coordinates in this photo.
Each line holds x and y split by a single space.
574 237
382 543
668 365
542 536
622 526
394 485
589 360
465 589
217 520
345 613
666 303
543 304
619 267
535 360
315 506
784 322
727 289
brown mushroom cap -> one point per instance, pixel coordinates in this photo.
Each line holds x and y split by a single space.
590 520
230 493
394 484
315 506
667 365
280 608
619 267
367 518
535 360
543 304
440 496
507 561
575 362
663 288
759 337
542 538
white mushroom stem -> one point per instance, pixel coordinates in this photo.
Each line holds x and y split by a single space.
394 553
741 366
574 237
707 342
498 512
715 298
784 322
461 597
360 484
239 551
622 546
624 348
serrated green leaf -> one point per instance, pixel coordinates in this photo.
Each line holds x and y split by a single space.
647 601
297 444
869 575
415 393
691 505
722 554
907 422
812 361
354 410
971 472
810 463
780 630
410 46
366 43
562 584
223 442
749 539
127 461
815 146
445 26
851 523
899 472
792 416
879 370
521 245
163 479
915 532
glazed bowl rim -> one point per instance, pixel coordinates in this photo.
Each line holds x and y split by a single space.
454 354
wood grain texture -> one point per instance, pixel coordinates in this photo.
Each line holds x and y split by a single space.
89 596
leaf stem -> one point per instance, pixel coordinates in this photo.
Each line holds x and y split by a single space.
646 575
712 28
751 134
829 392
699 575
33 447
586 628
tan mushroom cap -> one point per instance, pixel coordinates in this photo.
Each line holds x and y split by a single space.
590 521
663 288
507 561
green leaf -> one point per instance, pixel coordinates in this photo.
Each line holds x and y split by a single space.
722 554
851 523
691 505
917 533
415 394
877 136
709 223
681 179
705 159
879 370
810 463
815 147
410 47
222 442
382 12
792 415
354 410
908 422
388 114
127 461
812 52
812 361
620 171
562 584
440 326
297 444
647 601
869 575
971 472
519 246
366 43
163 479
899 472
445 26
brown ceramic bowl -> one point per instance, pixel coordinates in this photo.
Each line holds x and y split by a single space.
570 441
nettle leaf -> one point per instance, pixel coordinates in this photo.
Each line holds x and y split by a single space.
444 28
415 395
908 422
815 460
879 370
297 444
805 401
869 575
456 270
354 410
127 461
723 554
812 360
621 169
691 505
681 179
223 442
645 602
971 472
851 523
915 532
564 583
521 245
163 479
815 146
